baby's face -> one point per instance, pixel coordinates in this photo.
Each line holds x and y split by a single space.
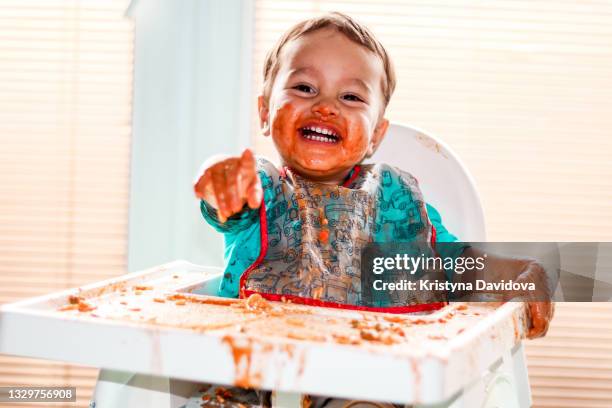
324 111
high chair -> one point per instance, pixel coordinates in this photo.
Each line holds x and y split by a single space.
448 186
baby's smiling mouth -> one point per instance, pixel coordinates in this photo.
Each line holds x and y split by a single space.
319 134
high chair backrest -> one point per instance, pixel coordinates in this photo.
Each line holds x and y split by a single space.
443 178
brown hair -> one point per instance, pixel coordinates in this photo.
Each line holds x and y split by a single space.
353 30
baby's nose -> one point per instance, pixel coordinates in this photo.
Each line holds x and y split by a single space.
325 108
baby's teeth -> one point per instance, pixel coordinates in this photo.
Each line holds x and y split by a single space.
319 130
320 138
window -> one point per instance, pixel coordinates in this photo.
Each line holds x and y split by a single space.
65 113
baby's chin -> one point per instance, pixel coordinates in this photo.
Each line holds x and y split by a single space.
319 169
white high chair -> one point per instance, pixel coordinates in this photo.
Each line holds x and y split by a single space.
447 185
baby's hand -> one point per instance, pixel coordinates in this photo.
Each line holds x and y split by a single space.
540 310
541 315
229 183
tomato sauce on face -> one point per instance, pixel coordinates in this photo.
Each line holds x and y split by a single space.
324 108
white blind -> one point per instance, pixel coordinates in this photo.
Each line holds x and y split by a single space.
65 112
522 91
572 365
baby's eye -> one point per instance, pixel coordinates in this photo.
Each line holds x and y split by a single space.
352 97
304 88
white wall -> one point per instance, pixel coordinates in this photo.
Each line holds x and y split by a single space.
191 91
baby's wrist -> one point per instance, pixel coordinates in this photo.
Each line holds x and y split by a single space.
213 212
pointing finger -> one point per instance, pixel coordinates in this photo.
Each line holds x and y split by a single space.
248 172
254 193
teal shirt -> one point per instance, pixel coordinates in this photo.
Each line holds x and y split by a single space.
242 240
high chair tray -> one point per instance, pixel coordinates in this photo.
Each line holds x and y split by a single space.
162 322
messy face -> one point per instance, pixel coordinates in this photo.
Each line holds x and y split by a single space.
324 111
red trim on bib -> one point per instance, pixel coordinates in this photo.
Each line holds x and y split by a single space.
433 236
424 307
356 171
263 241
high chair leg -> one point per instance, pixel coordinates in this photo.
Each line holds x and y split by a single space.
286 400
521 376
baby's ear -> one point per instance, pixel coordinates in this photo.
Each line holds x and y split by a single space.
264 115
379 134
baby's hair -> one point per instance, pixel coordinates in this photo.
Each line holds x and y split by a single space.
352 29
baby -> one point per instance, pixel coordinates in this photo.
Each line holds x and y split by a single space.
296 232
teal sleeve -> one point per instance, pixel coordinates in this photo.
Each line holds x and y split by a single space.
242 246
442 234
234 224
242 237
448 246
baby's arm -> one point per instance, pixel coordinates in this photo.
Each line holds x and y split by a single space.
498 268
228 183
519 270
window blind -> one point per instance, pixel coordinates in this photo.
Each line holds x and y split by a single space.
65 113
521 90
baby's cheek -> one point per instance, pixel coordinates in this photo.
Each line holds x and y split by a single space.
283 125
357 140
284 118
